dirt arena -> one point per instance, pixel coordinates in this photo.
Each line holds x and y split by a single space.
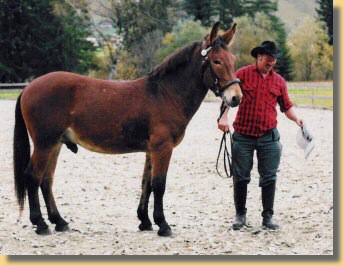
98 195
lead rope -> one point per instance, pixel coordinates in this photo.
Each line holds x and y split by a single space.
226 155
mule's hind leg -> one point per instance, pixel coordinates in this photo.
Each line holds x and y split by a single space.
34 175
142 210
46 187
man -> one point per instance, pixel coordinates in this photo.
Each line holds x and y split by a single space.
255 129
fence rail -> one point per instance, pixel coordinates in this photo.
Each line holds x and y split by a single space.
309 97
312 99
12 86
305 96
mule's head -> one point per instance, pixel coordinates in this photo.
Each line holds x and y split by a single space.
218 62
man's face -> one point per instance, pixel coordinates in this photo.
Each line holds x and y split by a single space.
265 63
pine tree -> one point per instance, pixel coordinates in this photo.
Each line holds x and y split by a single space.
211 11
34 40
251 7
284 64
325 14
227 10
201 10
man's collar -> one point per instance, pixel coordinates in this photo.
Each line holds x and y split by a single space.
270 73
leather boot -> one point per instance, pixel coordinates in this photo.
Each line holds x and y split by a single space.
268 197
240 193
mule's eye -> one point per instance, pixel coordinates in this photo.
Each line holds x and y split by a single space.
217 62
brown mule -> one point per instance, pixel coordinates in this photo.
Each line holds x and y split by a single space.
149 115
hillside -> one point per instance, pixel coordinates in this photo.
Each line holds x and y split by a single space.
292 12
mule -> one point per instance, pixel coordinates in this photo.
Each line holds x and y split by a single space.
149 114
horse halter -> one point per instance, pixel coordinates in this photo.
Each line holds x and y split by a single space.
216 87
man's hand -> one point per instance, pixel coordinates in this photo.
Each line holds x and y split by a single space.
223 123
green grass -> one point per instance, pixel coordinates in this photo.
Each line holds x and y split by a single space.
310 91
9 94
312 97
316 103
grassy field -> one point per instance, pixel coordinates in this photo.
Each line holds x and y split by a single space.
310 94
9 94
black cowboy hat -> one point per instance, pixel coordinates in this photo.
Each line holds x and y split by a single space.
267 47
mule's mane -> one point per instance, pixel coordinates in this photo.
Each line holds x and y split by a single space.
172 62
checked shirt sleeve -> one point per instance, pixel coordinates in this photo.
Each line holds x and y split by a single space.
283 100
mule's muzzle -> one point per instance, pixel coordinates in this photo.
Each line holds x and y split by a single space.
232 96
232 102
235 101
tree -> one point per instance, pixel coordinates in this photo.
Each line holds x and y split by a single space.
201 10
310 52
134 19
144 51
126 68
208 12
228 10
284 63
185 32
40 36
142 24
325 14
80 53
251 7
251 32
260 11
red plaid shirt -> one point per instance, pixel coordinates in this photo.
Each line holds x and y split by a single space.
257 112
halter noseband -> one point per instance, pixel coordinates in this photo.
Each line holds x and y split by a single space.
216 87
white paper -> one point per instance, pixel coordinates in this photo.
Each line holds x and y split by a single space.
305 140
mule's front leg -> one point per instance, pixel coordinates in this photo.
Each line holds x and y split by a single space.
159 184
142 210
160 163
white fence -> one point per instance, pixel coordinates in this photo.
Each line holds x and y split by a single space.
12 86
312 98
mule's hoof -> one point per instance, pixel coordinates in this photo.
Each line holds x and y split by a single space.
165 231
146 227
43 231
62 228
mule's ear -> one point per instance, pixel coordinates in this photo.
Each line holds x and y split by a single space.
229 34
213 34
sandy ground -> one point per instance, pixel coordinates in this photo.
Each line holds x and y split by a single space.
98 194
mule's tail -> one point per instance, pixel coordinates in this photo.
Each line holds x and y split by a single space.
21 154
